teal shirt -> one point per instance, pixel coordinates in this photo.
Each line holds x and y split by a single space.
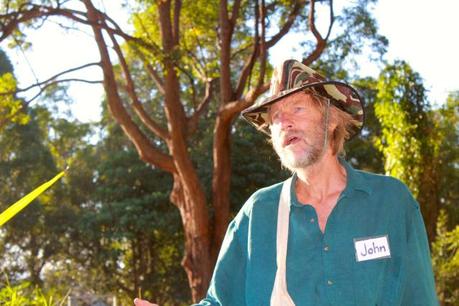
322 268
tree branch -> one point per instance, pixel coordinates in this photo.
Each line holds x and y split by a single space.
15 18
151 70
138 108
259 51
321 42
235 12
263 54
287 25
39 84
332 20
146 150
196 63
232 109
176 22
202 107
38 11
225 35
49 84
248 66
155 77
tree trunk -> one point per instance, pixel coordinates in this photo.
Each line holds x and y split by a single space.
196 260
221 181
429 197
187 194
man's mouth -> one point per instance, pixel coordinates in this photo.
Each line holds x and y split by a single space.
290 140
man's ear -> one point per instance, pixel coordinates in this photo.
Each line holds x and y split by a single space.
332 125
332 122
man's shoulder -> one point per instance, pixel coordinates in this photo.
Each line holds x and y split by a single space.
386 186
266 196
267 193
381 181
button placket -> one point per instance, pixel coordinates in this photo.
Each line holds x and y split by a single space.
327 260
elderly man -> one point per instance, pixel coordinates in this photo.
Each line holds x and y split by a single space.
330 234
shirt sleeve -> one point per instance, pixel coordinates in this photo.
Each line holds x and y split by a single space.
227 286
420 284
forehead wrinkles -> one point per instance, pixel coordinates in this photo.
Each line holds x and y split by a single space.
295 99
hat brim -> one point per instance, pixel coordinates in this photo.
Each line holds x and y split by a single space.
254 114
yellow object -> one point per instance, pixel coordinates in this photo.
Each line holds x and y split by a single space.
11 211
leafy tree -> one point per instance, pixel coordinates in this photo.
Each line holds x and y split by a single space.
5 64
109 195
10 107
136 248
445 250
30 239
445 255
38 237
255 164
208 61
446 120
25 294
361 150
409 142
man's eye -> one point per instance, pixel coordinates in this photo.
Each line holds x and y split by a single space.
299 109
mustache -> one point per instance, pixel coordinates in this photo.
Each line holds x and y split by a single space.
286 137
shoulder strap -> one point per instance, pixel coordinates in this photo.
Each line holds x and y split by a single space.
279 295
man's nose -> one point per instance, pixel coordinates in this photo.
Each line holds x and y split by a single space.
285 121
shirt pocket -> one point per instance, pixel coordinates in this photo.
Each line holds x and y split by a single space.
376 282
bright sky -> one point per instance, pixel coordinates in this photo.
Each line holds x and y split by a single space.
420 32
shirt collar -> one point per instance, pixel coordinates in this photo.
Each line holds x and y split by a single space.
355 180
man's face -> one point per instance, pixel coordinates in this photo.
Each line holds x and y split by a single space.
297 130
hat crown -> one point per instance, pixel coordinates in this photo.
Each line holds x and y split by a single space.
292 74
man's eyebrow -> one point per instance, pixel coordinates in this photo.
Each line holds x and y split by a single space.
299 100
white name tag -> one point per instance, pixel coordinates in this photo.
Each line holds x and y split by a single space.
371 248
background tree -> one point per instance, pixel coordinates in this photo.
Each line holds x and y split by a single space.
445 255
208 61
11 109
33 237
445 249
410 140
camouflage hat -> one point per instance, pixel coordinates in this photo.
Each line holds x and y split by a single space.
291 77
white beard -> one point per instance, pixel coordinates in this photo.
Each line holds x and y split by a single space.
310 155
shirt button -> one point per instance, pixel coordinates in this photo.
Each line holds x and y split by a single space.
312 220
326 248
329 282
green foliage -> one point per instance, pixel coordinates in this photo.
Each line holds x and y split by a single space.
359 24
255 164
446 121
358 36
11 109
401 110
32 237
108 227
361 150
445 258
445 249
420 147
5 64
125 234
25 293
